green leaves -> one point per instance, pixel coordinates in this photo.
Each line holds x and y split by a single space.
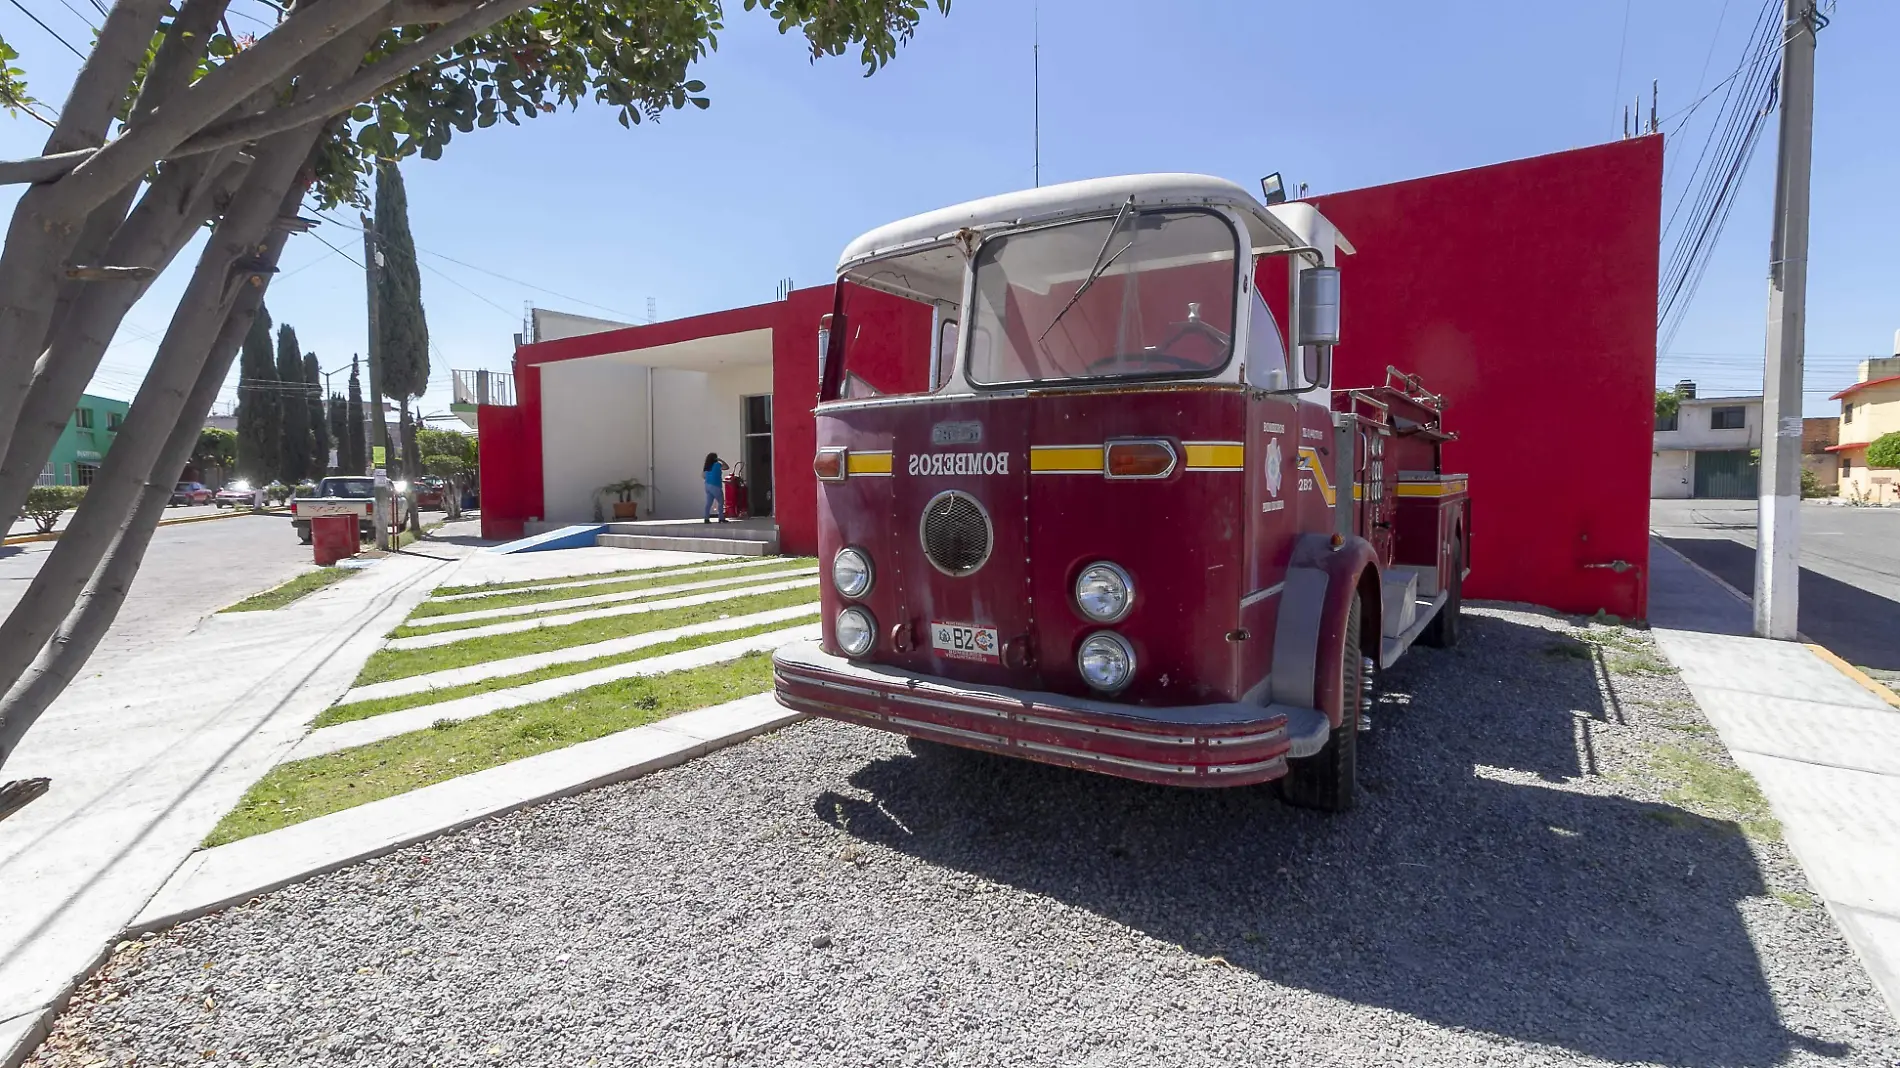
13 95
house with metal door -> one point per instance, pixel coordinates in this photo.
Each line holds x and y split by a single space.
82 446
1710 447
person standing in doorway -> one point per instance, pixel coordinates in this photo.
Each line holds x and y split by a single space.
715 472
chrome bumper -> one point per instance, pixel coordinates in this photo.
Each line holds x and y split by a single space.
1229 744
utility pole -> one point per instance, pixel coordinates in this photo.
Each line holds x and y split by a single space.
1778 517
372 263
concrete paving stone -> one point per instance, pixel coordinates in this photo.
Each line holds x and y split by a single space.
599 580
1857 738
517 665
601 599
1843 825
390 724
1879 933
226 875
431 641
1770 668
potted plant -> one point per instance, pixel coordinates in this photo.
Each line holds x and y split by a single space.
624 505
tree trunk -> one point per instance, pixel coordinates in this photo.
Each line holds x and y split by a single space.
89 620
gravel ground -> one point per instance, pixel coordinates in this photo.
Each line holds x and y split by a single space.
1512 890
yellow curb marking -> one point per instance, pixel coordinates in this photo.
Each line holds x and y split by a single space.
1871 684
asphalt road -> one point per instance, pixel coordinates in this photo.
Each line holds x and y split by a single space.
27 526
1850 568
190 571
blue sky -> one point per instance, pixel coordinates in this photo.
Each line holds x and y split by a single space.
708 210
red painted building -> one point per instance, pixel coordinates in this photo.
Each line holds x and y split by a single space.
1525 292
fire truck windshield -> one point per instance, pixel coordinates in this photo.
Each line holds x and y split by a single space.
1142 294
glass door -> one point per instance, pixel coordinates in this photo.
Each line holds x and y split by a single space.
755 423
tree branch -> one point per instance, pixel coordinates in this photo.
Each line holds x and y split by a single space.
364 84
42 168
107 75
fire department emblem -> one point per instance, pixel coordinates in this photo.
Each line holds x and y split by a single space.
1274 463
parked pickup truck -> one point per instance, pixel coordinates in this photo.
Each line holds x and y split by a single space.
343 494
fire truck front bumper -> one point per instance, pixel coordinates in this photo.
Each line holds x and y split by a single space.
1231 744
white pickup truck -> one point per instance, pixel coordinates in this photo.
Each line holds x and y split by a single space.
344 495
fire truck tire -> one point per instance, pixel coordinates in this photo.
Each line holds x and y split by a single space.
1328 780
1443 631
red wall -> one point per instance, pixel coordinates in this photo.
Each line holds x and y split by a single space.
1526 293
510 448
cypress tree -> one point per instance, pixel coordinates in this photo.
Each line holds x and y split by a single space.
340 434
319 418
260 415
354 433
293 451
402 329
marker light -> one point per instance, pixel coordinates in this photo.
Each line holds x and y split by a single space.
1106 661
1139 458
828 465
851 572
856 631
1104 592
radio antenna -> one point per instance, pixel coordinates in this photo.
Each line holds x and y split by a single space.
1035 53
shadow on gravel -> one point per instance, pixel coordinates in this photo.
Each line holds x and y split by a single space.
1600 924
1856 625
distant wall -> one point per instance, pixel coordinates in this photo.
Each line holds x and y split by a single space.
1526 293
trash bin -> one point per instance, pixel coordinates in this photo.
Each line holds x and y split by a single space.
334 538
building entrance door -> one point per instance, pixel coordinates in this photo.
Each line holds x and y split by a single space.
755 423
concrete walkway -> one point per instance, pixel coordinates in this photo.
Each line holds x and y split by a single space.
517 665
146 754
1824 747
450 637
390 724
600 580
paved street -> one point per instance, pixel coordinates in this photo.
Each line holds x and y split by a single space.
27 526
1850 568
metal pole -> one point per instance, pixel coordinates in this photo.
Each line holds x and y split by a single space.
372 261
1035 53
1777 529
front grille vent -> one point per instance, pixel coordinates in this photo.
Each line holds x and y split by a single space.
956 533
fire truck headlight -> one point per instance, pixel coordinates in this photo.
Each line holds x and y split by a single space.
1104 593
851 572
1106 661
856 631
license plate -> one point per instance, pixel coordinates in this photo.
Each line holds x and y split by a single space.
965 641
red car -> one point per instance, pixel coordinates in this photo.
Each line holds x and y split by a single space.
190 493
430 493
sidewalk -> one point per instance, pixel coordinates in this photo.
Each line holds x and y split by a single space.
1824 749
146 754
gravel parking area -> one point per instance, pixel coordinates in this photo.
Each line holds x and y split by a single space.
1514 889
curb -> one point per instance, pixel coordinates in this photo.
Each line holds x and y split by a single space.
22 539
215 879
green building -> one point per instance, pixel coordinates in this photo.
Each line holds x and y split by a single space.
82 445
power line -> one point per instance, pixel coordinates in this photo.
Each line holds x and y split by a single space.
1622 46
78 16
49 29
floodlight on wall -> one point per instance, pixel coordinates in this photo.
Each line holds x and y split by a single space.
1272 190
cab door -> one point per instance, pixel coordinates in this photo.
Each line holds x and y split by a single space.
1272 497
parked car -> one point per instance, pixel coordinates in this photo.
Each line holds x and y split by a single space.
352 488
431 493
190 493
236 495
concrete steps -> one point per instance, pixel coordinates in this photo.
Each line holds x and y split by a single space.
742 538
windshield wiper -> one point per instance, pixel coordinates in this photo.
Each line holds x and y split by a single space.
1102 262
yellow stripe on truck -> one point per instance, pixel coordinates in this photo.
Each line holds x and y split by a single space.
867 463
1309 462
1430 489
1065 459
1215 455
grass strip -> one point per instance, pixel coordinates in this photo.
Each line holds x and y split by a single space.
356 710
603 576
303 585
520 598
305 789
417 630
389 664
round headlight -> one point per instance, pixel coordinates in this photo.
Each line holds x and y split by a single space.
1106 661
856 631
1104 592
851 572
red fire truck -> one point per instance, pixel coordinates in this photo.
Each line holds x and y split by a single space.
1087 494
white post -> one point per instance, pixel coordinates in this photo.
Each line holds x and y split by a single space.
1777 530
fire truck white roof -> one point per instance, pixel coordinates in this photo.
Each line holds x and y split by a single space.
1267 230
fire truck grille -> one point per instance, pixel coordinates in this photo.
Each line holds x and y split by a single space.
956 533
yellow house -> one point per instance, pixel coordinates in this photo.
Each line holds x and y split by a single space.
1869 409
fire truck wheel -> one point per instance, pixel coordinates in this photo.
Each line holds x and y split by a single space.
1328 779
1442 632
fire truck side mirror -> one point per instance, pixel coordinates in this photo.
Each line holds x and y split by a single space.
1319 306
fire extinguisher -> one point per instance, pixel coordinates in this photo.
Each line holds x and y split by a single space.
737 506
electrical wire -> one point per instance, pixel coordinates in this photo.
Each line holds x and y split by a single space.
1622 47
49 29
79 16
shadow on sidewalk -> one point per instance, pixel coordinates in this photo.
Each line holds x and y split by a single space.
1856 625
1601 924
